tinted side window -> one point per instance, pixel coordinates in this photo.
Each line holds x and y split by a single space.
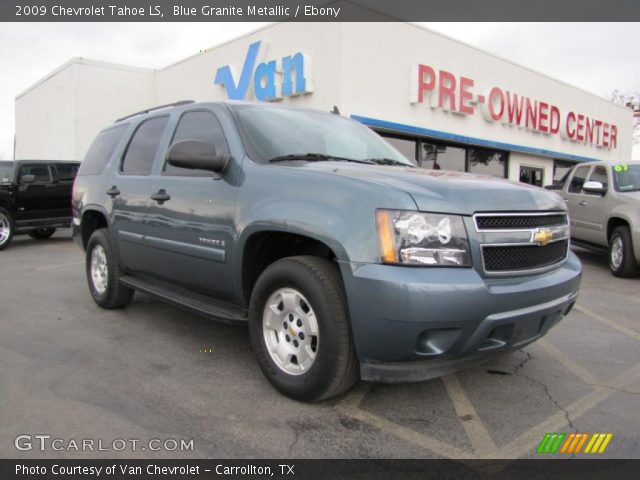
101 150
66 172
143 147
41 172
578 179
202 126
599 174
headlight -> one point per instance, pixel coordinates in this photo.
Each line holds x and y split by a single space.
416 238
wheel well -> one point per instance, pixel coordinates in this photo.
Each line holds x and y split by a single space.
614 223
91 221
264 248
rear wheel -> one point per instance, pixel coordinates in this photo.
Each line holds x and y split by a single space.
299 329
103 273
622 261
42 233
6 228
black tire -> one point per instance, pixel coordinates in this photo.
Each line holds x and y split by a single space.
7 228
335 368
627 267
42 233
114 294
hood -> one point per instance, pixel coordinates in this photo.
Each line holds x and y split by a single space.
449 192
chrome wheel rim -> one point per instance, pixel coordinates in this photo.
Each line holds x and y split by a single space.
616 252
5 229
99 269
290 329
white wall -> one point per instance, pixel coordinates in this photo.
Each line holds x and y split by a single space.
363 68
46 118
59 117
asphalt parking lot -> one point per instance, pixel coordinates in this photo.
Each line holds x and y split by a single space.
74 371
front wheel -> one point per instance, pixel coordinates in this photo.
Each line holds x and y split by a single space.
299 329
622 261
42 233
6 228
103 273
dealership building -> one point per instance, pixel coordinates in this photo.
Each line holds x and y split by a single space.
440 102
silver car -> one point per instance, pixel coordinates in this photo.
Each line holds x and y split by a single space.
604 206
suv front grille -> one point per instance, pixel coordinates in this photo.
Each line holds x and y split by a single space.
506 258
519 222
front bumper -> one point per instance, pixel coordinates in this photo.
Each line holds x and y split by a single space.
413 323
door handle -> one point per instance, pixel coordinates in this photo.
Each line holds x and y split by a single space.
583 203
113 192
161 196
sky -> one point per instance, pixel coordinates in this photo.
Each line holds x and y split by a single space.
597 57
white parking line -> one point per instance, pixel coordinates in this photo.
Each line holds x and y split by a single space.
526 443
440 448
60 265
580 372
481 441
606 321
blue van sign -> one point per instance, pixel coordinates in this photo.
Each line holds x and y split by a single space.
295 77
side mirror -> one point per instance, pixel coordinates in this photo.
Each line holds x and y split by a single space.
194 154
26 179
594 187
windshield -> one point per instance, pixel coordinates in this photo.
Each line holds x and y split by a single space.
626 177
6 172
275 132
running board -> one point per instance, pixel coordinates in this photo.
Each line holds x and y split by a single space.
187 300
589 246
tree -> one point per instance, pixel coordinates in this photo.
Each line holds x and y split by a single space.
629 99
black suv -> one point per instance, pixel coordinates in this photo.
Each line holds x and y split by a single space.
35 198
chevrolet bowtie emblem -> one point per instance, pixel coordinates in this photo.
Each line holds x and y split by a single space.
542 236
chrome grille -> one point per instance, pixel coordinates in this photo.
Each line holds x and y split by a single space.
522 241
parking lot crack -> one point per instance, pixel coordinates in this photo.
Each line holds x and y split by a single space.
516 371
522 363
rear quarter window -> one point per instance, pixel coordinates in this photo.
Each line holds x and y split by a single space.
102 150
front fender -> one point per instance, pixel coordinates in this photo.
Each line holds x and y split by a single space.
335 210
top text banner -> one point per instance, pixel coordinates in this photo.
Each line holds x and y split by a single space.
316 10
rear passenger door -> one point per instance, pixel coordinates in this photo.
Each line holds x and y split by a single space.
190 234
130 189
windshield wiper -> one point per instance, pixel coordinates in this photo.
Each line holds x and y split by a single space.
388 161
314 157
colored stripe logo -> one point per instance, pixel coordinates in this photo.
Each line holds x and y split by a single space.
574 443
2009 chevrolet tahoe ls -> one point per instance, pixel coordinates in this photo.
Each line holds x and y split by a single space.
344 259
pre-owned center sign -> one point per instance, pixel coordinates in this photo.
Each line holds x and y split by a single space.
444 90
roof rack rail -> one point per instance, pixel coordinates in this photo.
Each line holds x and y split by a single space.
176 104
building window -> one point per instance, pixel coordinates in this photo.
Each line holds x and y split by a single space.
439 156
487 162
532 175
450 156
406 146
